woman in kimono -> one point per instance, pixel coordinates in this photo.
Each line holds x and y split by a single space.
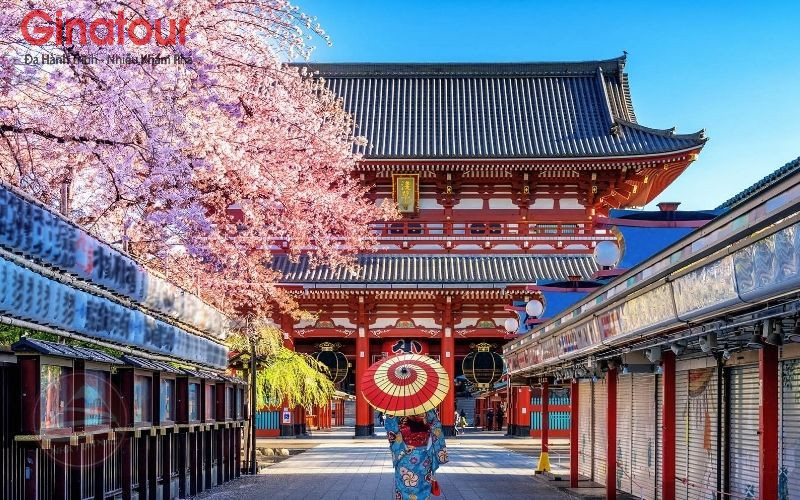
418 448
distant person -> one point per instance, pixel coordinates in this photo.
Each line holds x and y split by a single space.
462 421
381 419
456 419
500 414
489 418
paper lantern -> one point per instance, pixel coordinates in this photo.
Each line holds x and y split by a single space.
511 325
334 360
481 366
534 308
606 254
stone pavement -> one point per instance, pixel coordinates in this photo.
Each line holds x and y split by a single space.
352 469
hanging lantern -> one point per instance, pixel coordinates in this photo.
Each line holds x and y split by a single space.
481 366
607 254
534 308
334 360
511 325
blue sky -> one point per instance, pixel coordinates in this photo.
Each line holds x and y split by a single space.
730 67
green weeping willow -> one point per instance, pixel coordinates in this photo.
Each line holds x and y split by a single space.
282 374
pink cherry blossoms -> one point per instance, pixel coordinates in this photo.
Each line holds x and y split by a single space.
202 158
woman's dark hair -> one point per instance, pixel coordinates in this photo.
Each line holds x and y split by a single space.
417 425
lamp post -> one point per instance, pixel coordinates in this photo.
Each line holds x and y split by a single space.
253 464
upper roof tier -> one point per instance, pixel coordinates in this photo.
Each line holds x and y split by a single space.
496 110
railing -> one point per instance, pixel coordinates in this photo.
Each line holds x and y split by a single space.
483 228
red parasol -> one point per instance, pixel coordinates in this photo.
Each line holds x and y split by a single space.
405 385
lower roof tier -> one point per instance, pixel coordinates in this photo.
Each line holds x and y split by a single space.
451 270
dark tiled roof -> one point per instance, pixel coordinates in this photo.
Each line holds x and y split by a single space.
150 364
27 344
773 178
430 269
200 374
501 110
232 379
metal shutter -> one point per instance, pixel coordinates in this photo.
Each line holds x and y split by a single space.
624 396
599 423
789 430
585 442
744 432
659 381
702 433
643 435
681 436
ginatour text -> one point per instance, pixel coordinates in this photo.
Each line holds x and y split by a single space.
64 30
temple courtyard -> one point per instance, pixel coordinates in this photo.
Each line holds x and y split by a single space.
336 466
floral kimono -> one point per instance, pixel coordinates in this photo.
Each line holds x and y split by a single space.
418 448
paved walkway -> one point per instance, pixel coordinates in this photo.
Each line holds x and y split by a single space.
362 470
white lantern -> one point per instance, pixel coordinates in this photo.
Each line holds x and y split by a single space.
606 254
534 308
511 325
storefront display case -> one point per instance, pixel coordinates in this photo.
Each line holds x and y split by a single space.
231 397
66 390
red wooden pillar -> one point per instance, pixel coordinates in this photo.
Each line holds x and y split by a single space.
363 409
544 456
524 411
573 434
448 353
768 419
611 434
668 429
512 410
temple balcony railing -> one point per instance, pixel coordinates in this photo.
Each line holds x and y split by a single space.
426 236
394 229
417 236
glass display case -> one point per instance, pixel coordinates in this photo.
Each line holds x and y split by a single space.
54 396
240 404
167 400
142 399
210 401
193 401
230 400
97 398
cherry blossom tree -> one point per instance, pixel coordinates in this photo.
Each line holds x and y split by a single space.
196 157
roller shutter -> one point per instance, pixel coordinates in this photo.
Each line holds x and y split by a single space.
681 434
790 428
585 441
624 403
744 432
701 428
600 436
643 436
659 425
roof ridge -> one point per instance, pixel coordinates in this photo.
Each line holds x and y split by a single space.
515 68
609 112
763 183
700 135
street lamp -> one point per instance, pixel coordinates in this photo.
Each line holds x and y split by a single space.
534 308
511 325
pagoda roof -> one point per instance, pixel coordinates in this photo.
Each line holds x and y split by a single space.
428 270
540 110
763 184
